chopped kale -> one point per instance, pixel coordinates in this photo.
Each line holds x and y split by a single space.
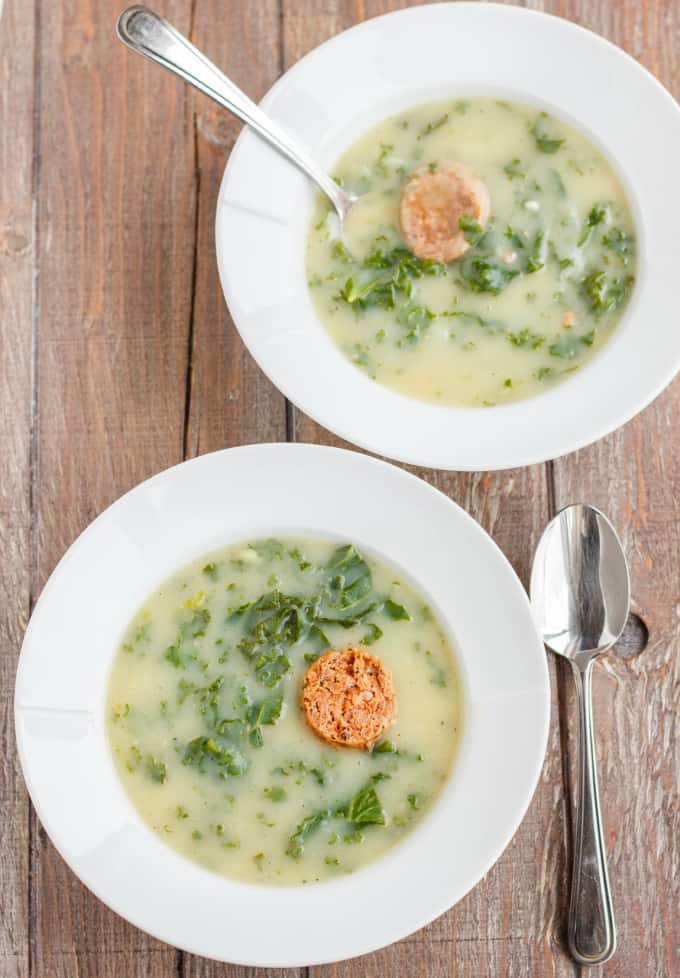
570 345
603 293
517 239
515 168
471 228
598 215
434 125
182 653
544 136
271 549
488 274
526 339
275 793
385 152
365 808
307 827
481 268
395 611
622 244
156 770
264 713
372 635
536 256
215 754
385 280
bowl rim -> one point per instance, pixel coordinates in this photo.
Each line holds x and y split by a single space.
445 444
536 698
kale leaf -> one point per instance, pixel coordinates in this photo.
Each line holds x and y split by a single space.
215 754
266 712
182 653
544 136
307 827
604 293
620 243
385 280
599 214
569 345
365 808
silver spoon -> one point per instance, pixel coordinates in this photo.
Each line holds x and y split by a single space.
580 594
148 34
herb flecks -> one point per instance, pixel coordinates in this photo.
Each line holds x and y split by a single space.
434 125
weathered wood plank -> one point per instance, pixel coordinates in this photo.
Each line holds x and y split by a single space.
116 207
511 923
633 476
17 93
231 402
637 699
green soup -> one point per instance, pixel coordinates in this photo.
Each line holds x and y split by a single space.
207 731
538 293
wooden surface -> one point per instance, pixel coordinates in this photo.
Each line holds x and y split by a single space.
118 358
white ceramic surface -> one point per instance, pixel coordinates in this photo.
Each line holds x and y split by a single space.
238 494
371 71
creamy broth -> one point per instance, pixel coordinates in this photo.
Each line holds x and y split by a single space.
536 296
206 728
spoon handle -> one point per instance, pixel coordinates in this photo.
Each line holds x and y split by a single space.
592 929
152 36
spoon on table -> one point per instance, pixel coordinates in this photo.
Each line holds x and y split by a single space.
580 594
432 206
152 36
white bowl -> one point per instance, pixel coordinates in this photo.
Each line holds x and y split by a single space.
379 68
235 495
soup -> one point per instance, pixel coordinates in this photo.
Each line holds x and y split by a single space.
535 296
206 724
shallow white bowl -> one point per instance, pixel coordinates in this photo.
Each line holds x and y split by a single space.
381 67
240 494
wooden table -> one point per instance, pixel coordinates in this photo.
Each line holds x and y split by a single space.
119 359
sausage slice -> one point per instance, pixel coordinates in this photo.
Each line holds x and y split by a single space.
348 698
432 204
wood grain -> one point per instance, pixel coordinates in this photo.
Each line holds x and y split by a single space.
231 401
109 175
16 287
115 196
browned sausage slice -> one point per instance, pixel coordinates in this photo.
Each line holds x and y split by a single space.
348 698
432 204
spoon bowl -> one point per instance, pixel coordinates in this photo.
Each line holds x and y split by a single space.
580 595
580 588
